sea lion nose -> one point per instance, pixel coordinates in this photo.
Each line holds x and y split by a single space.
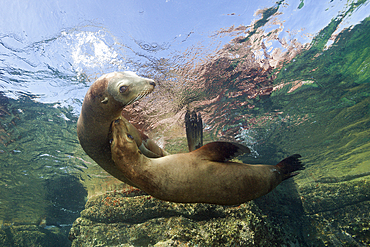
152 83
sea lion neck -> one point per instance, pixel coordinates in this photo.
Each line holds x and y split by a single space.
104 103
102 106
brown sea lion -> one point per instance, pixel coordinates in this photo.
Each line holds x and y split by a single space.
202 176
102 104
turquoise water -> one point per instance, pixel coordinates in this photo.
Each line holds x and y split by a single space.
283 78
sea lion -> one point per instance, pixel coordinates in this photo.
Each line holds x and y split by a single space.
202 176
102 104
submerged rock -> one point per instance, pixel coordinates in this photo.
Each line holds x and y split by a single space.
136 219
323 214
32 235
339 210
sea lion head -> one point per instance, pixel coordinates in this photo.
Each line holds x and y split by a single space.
127 87
123 145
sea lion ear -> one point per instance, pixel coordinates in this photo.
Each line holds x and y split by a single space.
221 151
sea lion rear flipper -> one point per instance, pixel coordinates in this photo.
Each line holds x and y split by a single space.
221 151
194 130
289 165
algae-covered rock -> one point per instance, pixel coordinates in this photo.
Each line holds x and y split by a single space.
136 219
339 210
331 195
32 235
346 226
328 213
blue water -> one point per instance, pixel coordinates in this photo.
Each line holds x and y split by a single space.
281 77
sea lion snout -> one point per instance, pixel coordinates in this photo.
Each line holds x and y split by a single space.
127 87
122 139
119 126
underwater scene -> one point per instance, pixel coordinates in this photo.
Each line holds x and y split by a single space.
280 77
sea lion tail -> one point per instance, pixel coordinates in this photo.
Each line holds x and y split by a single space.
289 165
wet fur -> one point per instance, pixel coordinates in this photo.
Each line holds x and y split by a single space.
201 176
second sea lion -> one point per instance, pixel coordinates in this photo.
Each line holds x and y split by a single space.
202 176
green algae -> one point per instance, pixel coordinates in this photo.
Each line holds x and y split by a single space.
32 235
37 180
301 4
335 108
343 64
346 226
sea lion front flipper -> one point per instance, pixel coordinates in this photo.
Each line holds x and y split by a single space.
194 130
147 146
221 151
147 152
150 149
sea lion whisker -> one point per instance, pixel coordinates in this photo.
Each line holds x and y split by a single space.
131 101
141 95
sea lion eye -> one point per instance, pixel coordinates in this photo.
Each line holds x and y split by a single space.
130 136
123 89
